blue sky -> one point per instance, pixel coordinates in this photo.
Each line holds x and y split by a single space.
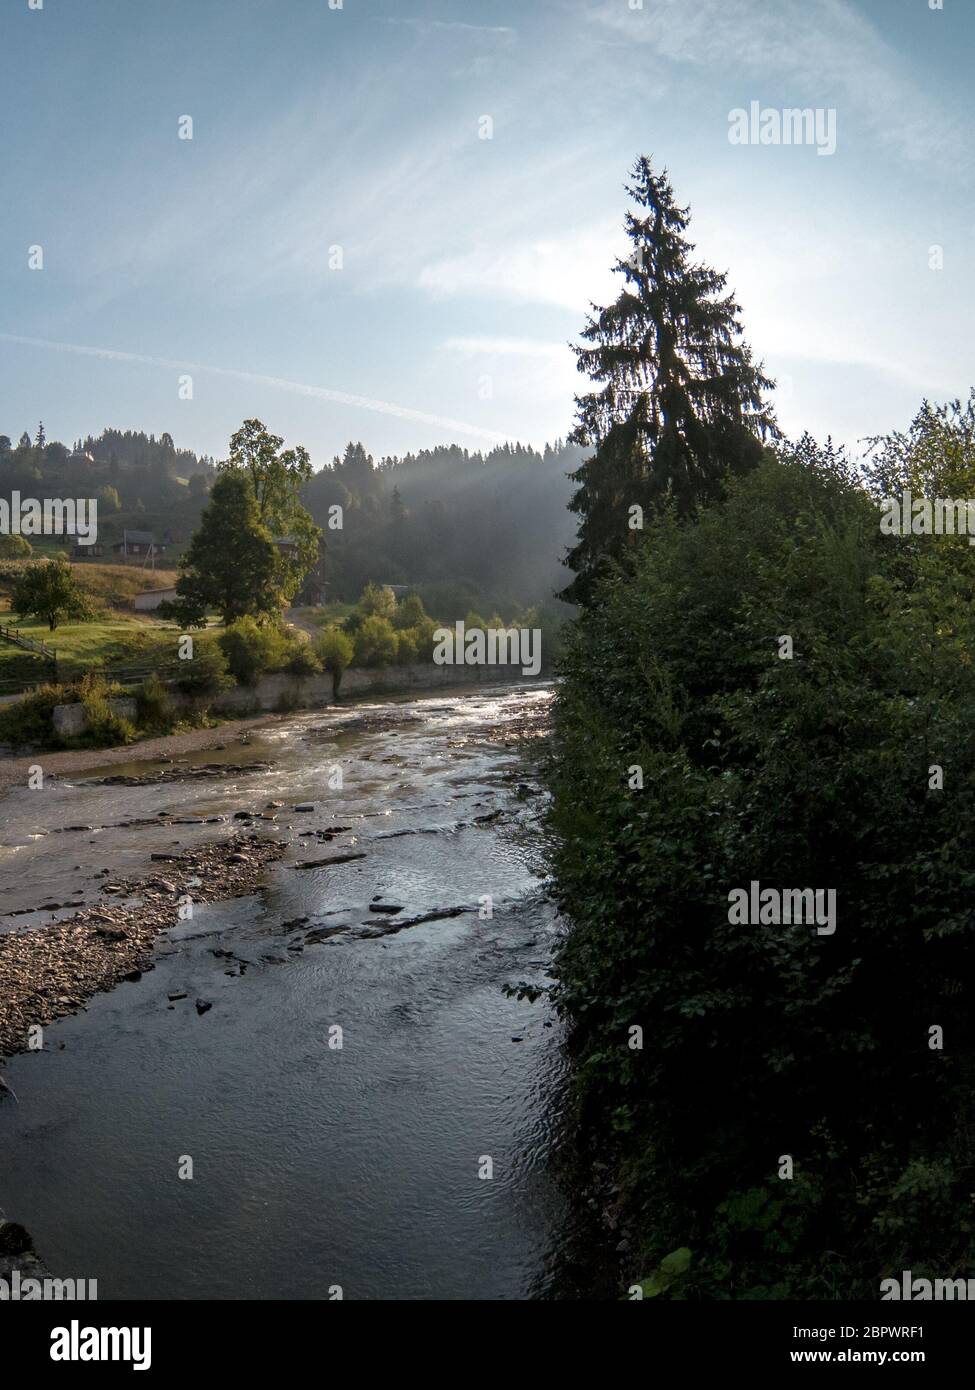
468 263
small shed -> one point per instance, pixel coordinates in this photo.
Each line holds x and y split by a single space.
150 599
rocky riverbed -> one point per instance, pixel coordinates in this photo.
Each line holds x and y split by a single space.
14 770
51 971
329 1037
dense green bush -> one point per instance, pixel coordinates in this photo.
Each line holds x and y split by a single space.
302 660
407 650
27 723
251 649
409 612
375 643
15 547
255 649
764 1041
205 673
377 601
156 711
334 649
423 637
104 727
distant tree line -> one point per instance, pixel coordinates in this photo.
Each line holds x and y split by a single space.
140 482
472 529
466 527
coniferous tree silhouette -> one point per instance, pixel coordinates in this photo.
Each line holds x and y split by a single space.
679 402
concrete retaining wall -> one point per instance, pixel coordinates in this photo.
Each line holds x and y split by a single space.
315 692
284 692
71 720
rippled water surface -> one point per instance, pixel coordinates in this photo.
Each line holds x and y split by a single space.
313 1166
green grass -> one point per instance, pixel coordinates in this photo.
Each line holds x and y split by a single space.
120 636
112 641
19 666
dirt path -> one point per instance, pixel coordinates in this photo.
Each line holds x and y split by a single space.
14 771
296 619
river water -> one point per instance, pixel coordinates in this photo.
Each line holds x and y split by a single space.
313 1166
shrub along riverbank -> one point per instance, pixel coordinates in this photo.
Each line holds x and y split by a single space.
781 1101
379 634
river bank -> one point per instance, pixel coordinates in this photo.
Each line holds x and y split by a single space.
360 1056
14 770
52 971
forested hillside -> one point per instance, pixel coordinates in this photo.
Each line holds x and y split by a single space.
472 529
462 525
140 482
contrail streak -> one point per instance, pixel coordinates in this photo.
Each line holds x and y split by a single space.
323 393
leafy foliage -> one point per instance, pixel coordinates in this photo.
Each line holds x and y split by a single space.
231 563
375 643
377 602
14 547
47 589
206 674
104 726
765 1041
335 650
277 476
156 711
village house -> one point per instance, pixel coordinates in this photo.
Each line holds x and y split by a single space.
138 545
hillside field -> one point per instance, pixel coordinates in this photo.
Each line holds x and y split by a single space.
119 635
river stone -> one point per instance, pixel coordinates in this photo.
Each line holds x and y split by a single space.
324 863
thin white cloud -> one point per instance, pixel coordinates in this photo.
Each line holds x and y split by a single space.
324 393
456 25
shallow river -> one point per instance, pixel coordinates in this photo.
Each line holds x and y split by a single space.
313 1166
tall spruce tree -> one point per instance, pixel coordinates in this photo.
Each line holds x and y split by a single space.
680 404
